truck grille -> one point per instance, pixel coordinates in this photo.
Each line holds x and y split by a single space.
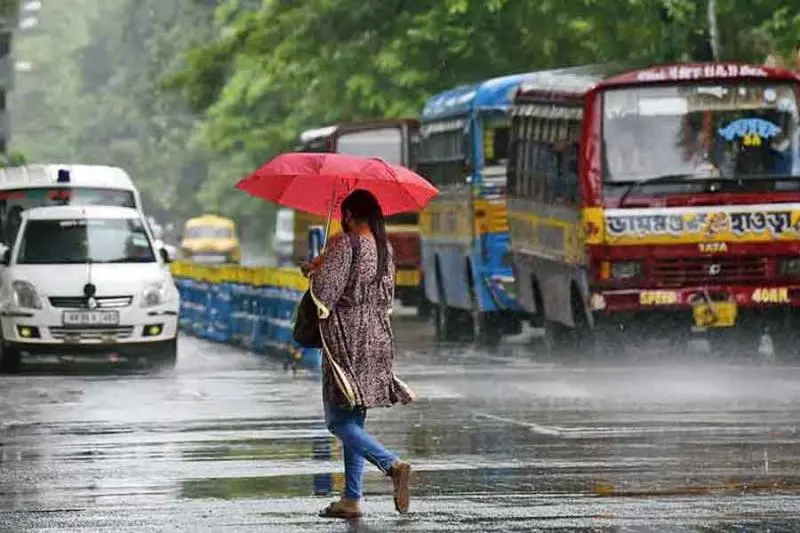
93 334
80 302
688 271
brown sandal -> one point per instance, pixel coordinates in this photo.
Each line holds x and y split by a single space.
335 510
400 474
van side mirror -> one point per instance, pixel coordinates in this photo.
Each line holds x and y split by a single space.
5 256
165 255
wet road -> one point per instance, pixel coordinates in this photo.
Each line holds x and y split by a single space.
500 441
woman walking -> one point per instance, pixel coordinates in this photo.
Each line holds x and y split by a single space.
352 285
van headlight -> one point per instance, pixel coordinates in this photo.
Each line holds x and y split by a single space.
25 296
155 294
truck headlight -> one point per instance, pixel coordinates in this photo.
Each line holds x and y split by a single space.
790 267
155 294
625 270
25 296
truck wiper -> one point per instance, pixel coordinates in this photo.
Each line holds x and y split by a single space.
665 178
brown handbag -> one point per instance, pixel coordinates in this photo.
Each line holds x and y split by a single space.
306 318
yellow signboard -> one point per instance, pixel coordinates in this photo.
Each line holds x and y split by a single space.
687 225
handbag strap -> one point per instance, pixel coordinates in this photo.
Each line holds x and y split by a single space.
355 244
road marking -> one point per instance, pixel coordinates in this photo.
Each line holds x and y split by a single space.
551 431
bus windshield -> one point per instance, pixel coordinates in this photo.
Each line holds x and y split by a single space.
729 130
14 201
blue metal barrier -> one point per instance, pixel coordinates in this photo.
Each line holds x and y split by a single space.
244 306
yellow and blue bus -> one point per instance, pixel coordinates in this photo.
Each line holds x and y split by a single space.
462 148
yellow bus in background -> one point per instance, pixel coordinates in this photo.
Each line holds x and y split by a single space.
210 239
390 140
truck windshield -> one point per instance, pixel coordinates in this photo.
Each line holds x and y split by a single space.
386 143
737 130
76 241
14 201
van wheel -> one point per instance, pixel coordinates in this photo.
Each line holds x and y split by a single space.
10 360
168 356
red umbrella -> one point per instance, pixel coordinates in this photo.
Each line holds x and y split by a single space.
318 182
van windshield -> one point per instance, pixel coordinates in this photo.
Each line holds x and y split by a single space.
14 201
74 241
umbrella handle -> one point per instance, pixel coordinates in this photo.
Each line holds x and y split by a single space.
328 223
327 230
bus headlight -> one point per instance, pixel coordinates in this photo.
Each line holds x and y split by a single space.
625 270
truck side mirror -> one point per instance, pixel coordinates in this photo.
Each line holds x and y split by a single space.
5 256
165 255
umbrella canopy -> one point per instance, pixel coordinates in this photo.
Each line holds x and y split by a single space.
318 182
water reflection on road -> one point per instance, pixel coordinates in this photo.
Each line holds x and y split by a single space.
501 441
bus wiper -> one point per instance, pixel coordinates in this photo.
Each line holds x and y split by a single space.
665 178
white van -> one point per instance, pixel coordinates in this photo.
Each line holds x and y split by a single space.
86 280
30 186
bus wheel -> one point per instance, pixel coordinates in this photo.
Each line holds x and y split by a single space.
585 338
444 319
424 308
486 329
558 339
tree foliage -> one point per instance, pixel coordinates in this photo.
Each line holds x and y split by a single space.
190 96
278 66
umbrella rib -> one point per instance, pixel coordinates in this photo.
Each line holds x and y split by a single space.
397 180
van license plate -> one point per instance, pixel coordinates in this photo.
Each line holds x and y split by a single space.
90 318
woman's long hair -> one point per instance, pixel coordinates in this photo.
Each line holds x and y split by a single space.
364 207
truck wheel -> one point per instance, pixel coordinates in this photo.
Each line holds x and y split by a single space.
10 360
786 343
608 340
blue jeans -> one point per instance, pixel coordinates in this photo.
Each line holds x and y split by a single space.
357 444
